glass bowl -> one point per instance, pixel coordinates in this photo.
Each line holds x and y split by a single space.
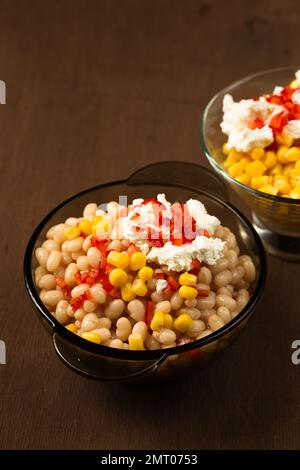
180 181
276 219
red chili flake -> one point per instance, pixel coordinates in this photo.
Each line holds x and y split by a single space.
100 244
173 283
149 312
203 293
160 275
151 201
158 243
278 121
196 266
256 124
115 293
178 241
102 264
107 285
76 302
64 286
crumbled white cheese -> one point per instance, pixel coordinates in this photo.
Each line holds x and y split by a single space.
297 75
296 96
203 220
137 201
277 90
237 116
179 258
162 199
292 129
161 284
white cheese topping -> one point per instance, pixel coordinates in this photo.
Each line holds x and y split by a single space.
296 96
203 220
292 128
161 284
179 258
237 116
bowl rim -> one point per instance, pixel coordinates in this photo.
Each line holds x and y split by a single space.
220 170
144 355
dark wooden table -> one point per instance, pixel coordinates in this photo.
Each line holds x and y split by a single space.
96 89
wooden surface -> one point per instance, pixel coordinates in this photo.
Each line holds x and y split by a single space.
96 89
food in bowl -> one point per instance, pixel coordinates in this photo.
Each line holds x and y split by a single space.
147 275
263 145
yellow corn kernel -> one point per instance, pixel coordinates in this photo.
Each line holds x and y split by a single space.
136 342
233 157
293 154
225 149
72 327
270 159
72 232
282 154
257 153
297 165
295 193
95 221
157 321
93 337
243 179
295 177
118 277
294 84
188 292
102 228
168 321
137 261
245 161
277 169
85 226
236 169
127 292
183 322
258 181
187 279
287 169
281 183
145 273
119 260
268 189
256 168
284 139
139 287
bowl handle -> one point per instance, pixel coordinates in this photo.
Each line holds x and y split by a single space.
186 174
70 358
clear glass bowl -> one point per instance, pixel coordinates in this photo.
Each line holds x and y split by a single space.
179 181
276 219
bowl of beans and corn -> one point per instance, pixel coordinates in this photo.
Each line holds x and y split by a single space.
251 136
116 311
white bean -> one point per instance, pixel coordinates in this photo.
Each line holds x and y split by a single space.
232 259
151 343
104 334
61 312
59 233
47 282
176 301
79 290
123 328
94 256
224 313
79 314
196 327
205 275
140 328
71 270
90 210
39 272
53 260
226 301
66 258
98 294
42 256
105 323
163 306
136 310
194 313
220 266
207 302
223 278
74 245
215 322
82 263
165 336
204 333
87 243
116 343
71 222
50 245
90 322
115 309
237 274
52 297
248 265
89 306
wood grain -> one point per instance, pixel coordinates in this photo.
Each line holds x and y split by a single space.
96 89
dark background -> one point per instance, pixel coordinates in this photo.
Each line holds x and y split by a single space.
96 89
